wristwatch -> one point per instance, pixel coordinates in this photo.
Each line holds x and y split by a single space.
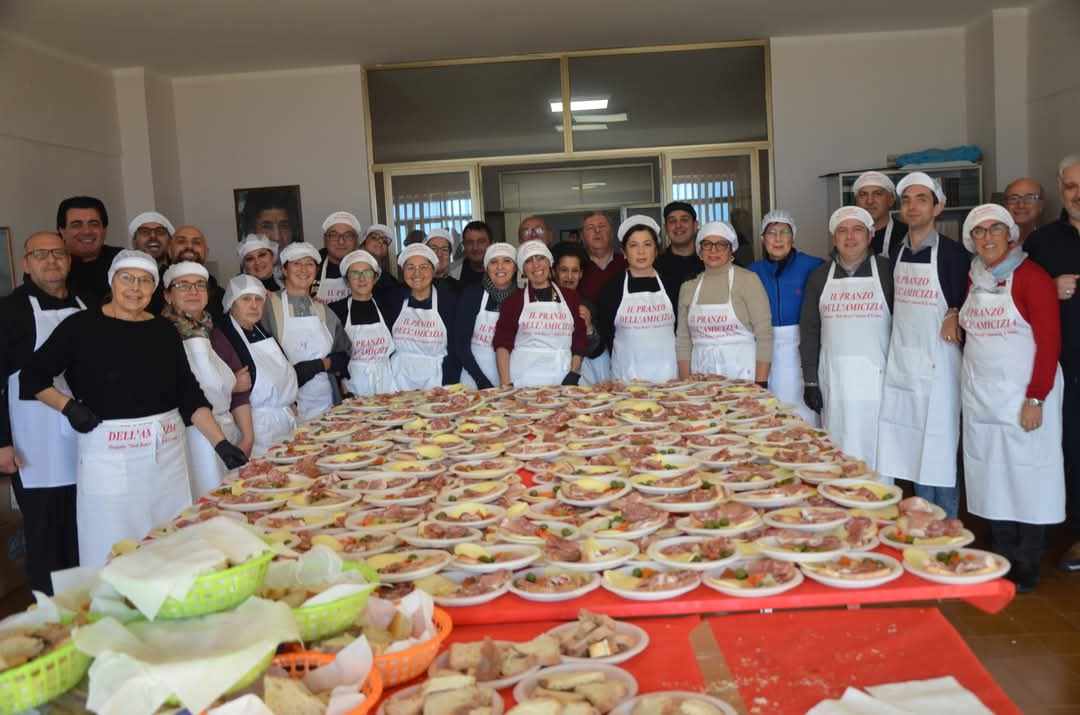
1034 402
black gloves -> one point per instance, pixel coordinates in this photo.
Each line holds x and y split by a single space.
308 369
339 363
81 418
572 378
232 455
812 397
763 384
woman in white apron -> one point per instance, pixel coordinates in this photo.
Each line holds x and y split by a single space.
783 272
540 337
422 358
130 412
310 334
341 236
477 314
1011 390
712 338
855 325
366 326
273 378
186 298
258 258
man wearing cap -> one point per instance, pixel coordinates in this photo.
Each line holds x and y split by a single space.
605 263
258 258
1056 247
475 239
876 193
441 242
188 243
341 236
844 335
150 233
82 222
1024 199
679 262
920 407
35 444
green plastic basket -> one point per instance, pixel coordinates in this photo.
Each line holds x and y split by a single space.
370 574
329 619
218 591
247 679
42 679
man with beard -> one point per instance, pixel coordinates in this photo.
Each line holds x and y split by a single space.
680 261
150 233
188 243
82 222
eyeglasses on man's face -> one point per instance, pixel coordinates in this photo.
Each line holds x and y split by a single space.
1021 199
40 254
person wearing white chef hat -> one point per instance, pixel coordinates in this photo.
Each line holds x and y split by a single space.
258 258
540 336
130 414
274 385
423 328
150 232
310 334
477 314
725 323
377 242
1014 468
844 335
366 321
920 408
341 236
441 241
224 380
875 192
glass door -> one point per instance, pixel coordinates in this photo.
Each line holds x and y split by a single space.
422 200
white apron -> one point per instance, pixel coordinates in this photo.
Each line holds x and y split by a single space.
307 338
132 476
272 394
855 324
541 354
421 341
331 289
481 345
920 406
369 365
1009 474
644 345
785 371
596 370
217 381
45 462
722 345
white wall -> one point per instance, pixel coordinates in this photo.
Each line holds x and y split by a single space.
301 127
843 102
980 93
164 147
1011 83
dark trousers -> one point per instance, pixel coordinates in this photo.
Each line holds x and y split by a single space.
1022 544
1070 414
50 529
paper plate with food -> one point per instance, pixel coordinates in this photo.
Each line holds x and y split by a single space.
727 519
570 470
497 664
535 450
703 498
924 531
665 465
548 584
387 518
295 520
600 685
362 485
553 510
801 546
275 482
807 518
779 495
477 558
653 484
408 565
696 553
854 570
755 577
628 518
590 554
432 535
457 589
650 582
478 426
957 567
819 474
745 476
413 468
351 546
321 498
519 530
860 493
348 460
723 457
598 638
474 451
291 453
444 695
472 514
486 468
477 492
593 491
414 495
674 702
234 497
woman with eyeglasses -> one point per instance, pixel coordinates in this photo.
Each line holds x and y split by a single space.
725 323
783 272
365 319
341 236
133 392
224 380
1011 391
477 314
422 329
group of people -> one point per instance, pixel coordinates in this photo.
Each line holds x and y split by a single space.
135 381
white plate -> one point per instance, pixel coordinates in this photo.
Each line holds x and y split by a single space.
507 466
409 536
355 522
581 471
688 506
525 555
685 524
655 548
316 520
607 497
758 500
595 450
591 585
442 662
444 559
559 528
673 465
297 482
818 476
895 494
641 642
462 602
954 580
767 545
627 707
887 533
627 552
526 451
895 572
350 464
708 457
298 501
649 595
842 517
270 501
639 482
496 699
399 468
493 514
646 528
395 498
448 497
274 454
712 580
523 689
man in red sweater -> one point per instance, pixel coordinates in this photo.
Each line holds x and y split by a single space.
604 262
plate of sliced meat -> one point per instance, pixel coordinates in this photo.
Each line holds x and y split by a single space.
552 510
275 481
649 583
924 531
726 519
479 492
548 584
593 491
590 554
468 514
745 476
860 493
628 518
807 518
476 558
778 495
433 535
754 578
457 589
801 546
535 450
703 498
486 468
386 518
653 484
293 452
723 457
697 553
860 533
235 498
854 570
665 465
519 530
413 495
956 567
408 565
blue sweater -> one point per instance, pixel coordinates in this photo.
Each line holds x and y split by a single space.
784 282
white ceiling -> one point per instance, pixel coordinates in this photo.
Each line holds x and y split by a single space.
191 37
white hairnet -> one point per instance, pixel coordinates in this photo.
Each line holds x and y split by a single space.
341 217
443 233
149 217
253 242
496 250
918 178
532 248
184 268
131 258
637 220
873 178
985 212
377 228
779 216
242 285
720 229
417 249
296 251
856 212
359 256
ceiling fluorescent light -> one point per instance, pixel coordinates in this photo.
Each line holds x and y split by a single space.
583 127
601 118
579 105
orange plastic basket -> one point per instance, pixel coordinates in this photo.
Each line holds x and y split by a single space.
297 664
403 666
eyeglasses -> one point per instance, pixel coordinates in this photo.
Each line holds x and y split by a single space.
147 232
534 231
421 268
996 230
779 233
715 246
347 237
134 281
364 275
40 254
1016 199
381 238
440 251
199 286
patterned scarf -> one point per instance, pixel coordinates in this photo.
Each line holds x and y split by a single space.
187 326
497 294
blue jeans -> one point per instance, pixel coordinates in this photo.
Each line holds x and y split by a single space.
948 498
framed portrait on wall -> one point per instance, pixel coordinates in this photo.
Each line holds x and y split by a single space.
273 211
10 275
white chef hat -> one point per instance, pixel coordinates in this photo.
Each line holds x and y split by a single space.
496 250
256 242
443 233
856 212
532 248
149 217
359 256
341 217
984 212
377 228
637 220
918 178
296 251
873 178
417 249
131 258
717 228
242 285
779 216
184 268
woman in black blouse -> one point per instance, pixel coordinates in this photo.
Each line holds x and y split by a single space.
133 393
